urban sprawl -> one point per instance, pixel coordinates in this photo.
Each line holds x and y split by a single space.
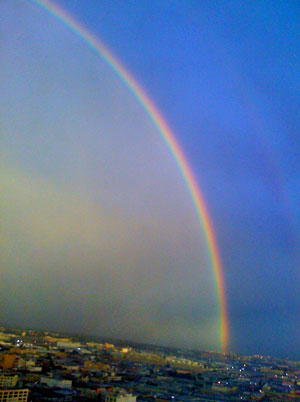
47 366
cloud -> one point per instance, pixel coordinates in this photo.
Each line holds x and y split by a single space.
72 264
99 232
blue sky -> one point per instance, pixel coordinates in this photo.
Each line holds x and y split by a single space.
226 79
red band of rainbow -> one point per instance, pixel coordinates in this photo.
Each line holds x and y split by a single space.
172 144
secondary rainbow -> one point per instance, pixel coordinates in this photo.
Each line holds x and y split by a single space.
170 140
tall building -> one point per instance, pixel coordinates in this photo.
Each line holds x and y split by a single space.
14 395
8 361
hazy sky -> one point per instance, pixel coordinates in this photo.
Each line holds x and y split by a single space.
98 230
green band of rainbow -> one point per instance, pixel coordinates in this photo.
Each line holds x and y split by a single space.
172 144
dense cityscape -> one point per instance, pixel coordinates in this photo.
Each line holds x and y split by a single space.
48 366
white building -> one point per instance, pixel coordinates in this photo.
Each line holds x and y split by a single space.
52 382
68 345
119 397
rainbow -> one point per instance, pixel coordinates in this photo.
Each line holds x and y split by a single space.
170 141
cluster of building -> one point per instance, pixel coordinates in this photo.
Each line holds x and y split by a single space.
43 366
